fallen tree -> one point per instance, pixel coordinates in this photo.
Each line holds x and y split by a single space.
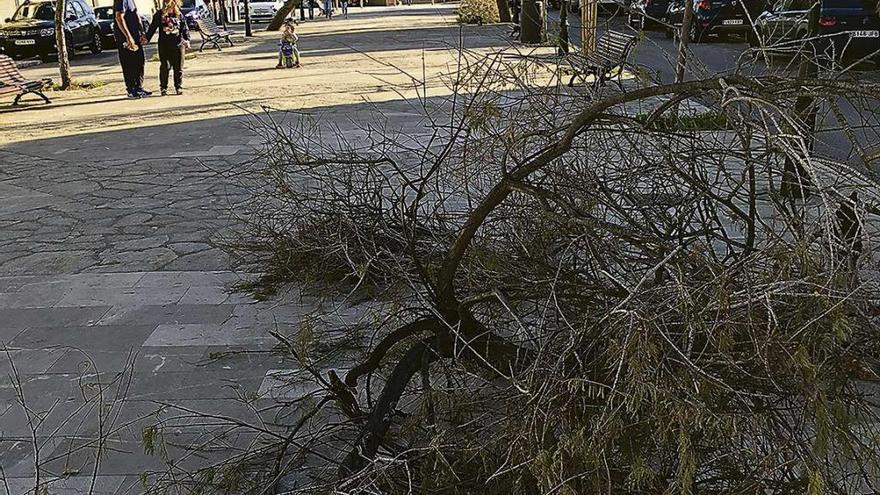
584 293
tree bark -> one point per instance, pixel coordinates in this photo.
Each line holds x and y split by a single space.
223 15
504 11
531 23
563 27
419 355
795 179
683 38
61 43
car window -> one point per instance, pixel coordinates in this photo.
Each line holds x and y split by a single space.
104 13
78 10
40 11
782 5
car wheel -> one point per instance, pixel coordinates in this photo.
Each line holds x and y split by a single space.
97 44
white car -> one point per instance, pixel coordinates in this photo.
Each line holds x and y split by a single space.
261 10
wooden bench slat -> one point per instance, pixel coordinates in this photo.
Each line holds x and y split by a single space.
13 82
612 51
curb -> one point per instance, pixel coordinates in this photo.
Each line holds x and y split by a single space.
27 63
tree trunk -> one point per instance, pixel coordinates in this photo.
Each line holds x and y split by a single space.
61 44
589 25
223 15
683 38
531 23
795 179
282 13
504 11
563 27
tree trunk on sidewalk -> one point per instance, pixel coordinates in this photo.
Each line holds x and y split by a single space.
61 44
282 14
683 37
563 27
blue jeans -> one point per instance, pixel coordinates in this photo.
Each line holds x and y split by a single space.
328 7
344 5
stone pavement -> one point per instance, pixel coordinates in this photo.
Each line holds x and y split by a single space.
108 271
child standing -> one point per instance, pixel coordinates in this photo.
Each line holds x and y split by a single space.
288 53
173 40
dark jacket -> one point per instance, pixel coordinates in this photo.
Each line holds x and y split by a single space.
131 18
172 29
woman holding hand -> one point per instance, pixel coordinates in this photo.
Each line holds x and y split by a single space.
173 41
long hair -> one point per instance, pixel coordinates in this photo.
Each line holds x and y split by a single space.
171 7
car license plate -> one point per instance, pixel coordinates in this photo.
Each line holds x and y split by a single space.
25 42
865 34
732 22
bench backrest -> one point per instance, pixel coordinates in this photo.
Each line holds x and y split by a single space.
615 45
9 73
207 25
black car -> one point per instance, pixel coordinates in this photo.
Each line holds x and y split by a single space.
645 13
107 18
31 30
720 17
848 28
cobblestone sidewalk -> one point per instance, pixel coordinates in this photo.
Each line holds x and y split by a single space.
109 273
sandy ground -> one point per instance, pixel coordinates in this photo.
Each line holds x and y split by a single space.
372 56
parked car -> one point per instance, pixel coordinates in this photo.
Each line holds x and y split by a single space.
645 13
851 27
719 17
261 10
193 10
31 30
107 18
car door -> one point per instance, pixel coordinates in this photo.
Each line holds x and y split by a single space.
84 14
772 22
795 19
72 23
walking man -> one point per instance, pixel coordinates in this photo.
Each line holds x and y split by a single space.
130 41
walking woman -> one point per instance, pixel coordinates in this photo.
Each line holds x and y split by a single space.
173 41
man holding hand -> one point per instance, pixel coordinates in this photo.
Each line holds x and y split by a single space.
130 42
